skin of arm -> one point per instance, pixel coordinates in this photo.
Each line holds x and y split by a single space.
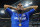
6 6
35 7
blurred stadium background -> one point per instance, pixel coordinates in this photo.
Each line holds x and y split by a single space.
5 20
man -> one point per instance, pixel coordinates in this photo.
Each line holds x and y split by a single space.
20 19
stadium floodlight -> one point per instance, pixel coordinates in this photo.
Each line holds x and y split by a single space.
26 4
30 3
2 11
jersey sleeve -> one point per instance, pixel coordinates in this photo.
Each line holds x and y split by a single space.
31 11
8 10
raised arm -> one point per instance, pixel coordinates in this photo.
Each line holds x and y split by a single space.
8 10
6 6
35 7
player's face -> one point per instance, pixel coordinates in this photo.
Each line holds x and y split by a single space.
19 6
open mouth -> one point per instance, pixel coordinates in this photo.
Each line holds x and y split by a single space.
19 11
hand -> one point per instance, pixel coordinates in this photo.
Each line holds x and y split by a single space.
33 6
6 6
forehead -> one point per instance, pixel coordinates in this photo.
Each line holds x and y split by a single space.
19 4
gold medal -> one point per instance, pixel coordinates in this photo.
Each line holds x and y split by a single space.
20 24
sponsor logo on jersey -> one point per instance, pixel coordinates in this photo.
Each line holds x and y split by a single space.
16 18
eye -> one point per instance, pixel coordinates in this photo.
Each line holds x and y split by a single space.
21 5
18 5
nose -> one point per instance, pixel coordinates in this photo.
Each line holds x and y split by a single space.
20 7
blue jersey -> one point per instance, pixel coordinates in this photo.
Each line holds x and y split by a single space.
15 19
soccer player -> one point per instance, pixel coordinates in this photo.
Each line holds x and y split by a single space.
20 19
